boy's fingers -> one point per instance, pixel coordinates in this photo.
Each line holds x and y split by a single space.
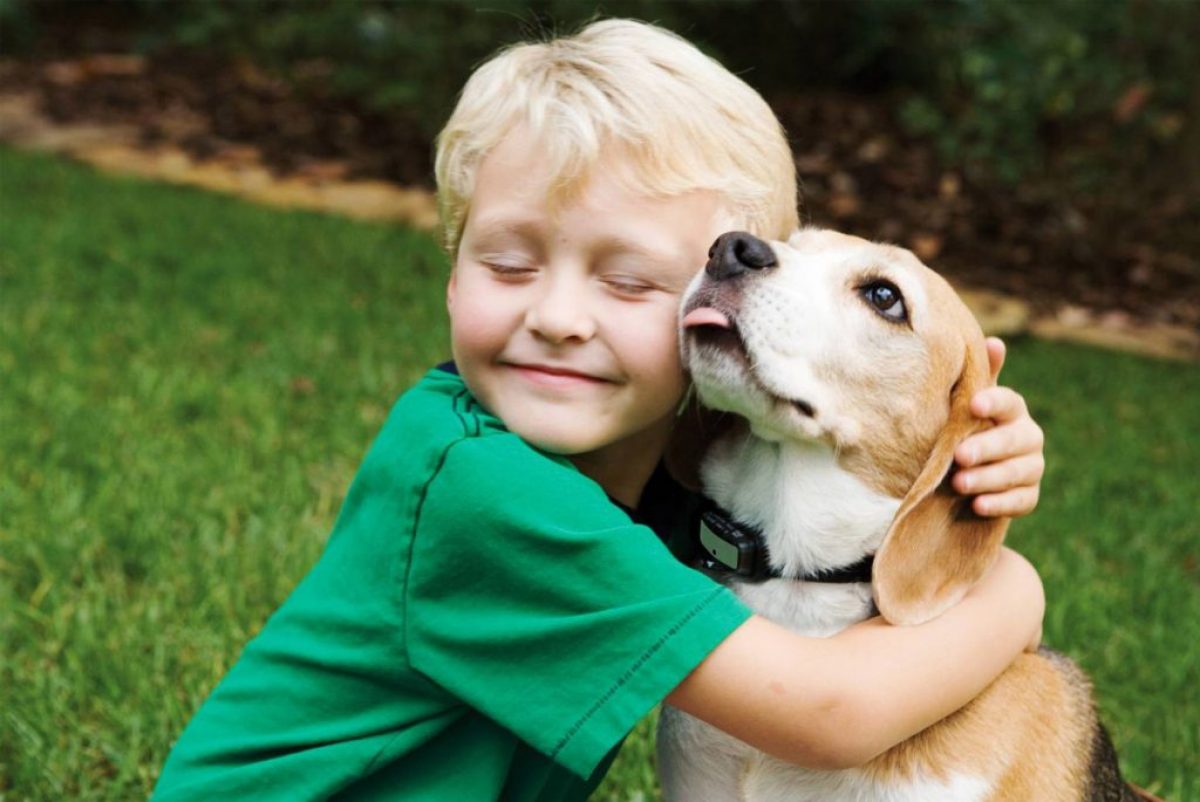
1000 404
1000 477
995 352
1004 442
1011 504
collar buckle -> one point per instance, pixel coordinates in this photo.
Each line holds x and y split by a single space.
730 550
726 548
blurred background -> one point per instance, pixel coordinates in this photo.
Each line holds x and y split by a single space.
1048 149
189 380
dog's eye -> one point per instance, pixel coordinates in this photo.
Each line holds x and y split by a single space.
885 298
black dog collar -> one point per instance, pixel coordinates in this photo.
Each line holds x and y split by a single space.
728 548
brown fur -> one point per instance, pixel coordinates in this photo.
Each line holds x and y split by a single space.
937 548
1031 729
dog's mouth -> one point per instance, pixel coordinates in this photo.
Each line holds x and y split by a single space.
709 327
712 329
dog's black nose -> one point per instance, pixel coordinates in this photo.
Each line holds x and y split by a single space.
736 252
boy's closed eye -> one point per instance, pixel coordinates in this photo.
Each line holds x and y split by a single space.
506 265
630 285
642 275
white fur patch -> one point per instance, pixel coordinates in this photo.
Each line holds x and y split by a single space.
774 781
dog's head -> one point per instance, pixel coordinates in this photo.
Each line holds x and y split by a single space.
859 346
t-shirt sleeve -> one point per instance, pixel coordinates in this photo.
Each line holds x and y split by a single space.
535 600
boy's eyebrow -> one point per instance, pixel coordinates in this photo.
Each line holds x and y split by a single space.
622 245
507 225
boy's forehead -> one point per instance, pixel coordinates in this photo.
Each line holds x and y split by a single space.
528 164
521 197
655 245
605 217
533 166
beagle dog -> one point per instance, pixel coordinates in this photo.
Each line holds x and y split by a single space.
849 367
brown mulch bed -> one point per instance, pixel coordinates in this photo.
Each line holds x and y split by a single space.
1130 251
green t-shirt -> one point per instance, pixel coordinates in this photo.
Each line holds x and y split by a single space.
484 624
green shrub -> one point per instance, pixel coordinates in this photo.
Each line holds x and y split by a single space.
1005 89
1012 80
17 28
406 58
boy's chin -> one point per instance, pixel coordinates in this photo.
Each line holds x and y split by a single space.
618 444
561 443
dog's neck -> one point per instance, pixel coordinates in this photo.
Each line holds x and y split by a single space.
814 515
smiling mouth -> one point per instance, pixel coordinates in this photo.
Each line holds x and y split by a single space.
554 376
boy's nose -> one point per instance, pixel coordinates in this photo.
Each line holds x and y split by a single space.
736 252
561 314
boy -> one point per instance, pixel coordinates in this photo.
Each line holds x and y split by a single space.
486 621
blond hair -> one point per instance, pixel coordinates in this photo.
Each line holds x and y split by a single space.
686 122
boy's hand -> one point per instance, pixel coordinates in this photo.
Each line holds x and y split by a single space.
1001 466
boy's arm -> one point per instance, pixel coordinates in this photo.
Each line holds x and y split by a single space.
838 702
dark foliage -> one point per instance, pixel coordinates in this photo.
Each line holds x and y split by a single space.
1004 89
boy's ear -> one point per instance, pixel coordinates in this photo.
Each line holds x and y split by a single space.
450 290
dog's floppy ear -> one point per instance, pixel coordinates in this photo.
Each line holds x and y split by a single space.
937 547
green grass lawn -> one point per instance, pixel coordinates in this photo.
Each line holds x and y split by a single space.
187 383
